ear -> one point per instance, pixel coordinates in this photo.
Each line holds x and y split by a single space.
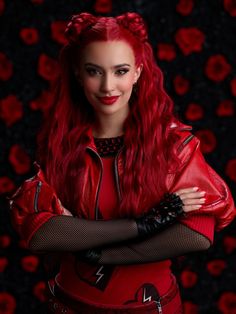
138 72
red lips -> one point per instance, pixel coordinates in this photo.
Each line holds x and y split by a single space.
108 100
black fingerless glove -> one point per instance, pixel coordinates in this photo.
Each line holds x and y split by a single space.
161 216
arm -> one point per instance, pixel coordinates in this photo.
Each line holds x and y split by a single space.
175 241
46 225
188 235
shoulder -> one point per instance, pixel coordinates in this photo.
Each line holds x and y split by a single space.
185 142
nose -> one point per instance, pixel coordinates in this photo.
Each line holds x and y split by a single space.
107 83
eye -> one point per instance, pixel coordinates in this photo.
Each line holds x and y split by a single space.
122 71
93 72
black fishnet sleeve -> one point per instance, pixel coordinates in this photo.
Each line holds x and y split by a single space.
175 241
68 233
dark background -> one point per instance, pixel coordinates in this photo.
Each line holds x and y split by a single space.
194 44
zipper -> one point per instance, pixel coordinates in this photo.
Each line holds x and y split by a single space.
116 174
36 196
99 183
188 139
158 303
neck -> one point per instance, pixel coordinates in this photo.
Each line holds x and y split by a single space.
109 125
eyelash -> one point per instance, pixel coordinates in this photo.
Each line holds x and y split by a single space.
95 72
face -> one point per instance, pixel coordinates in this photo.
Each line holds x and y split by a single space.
107 72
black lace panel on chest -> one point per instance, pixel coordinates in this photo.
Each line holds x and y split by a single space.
107 147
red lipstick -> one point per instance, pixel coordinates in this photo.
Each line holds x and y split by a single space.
108 100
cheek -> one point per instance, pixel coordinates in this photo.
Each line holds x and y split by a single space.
127 84
90 84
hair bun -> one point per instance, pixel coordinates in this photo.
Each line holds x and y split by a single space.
134 23
77 24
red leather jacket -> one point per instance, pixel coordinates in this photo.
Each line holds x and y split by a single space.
35 201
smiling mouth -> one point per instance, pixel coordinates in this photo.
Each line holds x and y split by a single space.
108 100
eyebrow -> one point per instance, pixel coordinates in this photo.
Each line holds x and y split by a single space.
115 67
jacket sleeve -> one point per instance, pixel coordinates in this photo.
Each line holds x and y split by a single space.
33 204
195 171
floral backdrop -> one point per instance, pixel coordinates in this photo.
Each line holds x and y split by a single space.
194 44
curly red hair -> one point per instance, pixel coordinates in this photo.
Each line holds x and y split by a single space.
148 143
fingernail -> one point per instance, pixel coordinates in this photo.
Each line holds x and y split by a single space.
202 200
202 193
195 188
198 206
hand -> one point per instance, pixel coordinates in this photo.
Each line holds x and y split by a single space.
192 198
160 216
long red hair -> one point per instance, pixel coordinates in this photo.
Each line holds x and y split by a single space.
148 143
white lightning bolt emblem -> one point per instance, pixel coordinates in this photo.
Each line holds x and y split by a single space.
98 273
145 299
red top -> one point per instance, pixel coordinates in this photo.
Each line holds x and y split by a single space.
122 284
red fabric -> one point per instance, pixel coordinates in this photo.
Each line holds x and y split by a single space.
79 279
135 275
203 224
108 198
29 212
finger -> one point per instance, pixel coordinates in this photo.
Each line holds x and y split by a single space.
198 201
193 195
190 208
187 190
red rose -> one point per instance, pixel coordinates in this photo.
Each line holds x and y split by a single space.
30 263
2 6
57 32
7 303
190 308
19 159
185 7
166 52
189 40
230 7
6 185
6 67
181 85
3 264
43 102
229 243
29 36
103 6
11 110
230 170
39 291
47 68
5 241
227 302
194 112
215 267
217 68
225 108
233 86
207 140
188 278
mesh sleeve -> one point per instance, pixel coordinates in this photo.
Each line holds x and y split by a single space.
175 241
67 233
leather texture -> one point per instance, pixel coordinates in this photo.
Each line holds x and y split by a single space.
35 201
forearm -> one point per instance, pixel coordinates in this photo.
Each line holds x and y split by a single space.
177 240
67 233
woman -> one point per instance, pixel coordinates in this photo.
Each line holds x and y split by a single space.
111 152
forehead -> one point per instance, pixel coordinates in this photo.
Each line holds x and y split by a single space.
108 53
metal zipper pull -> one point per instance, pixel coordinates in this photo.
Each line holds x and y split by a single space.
158 303
36 196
